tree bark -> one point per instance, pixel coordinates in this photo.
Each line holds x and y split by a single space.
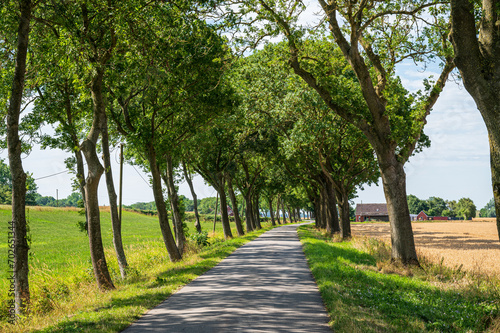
21 247
256 210
249 217
394 182
278 209
116 223
333 213
234 202
345 222
95 171
197 223
477 58
168 238
226 227
80 175
180 237
326 217
318 218
271 212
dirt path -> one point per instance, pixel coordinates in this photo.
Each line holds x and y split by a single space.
474 245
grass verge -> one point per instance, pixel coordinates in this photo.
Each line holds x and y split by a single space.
363 292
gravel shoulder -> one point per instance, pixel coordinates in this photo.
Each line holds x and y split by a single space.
474 245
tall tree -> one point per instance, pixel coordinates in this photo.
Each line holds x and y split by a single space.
21 248
234 203
475 37
116 223
489 209
163 91
373 37
465 207
314 143
91 28
416 205
168 176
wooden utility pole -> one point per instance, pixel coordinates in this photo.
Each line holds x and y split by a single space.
121 183
216 205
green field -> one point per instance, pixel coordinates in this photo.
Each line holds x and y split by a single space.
63 292
58 246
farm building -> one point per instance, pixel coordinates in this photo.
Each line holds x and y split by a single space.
424 217
371 212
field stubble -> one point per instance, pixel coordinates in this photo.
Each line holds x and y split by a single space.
473 246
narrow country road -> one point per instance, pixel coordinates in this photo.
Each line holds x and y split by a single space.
264 286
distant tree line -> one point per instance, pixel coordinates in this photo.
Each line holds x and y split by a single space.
463 208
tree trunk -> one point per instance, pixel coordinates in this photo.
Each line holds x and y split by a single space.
180 237
271 212
345 222
394 182
95 171
234 202
256 210
223 207
278 209
168 238
21 247
326 212
80 175
249 212
477 58
317 212
332 207
284 211
197 223
495 174
113 207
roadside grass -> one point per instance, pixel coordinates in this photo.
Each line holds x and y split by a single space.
364 292
64 297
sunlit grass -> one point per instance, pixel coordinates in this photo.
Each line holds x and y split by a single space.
363 292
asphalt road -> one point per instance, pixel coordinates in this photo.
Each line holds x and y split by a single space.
264 286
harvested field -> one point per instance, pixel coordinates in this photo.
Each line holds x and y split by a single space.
474 245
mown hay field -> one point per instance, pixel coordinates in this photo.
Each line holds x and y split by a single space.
474 245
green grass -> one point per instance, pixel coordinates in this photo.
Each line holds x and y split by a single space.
63 292
361 296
